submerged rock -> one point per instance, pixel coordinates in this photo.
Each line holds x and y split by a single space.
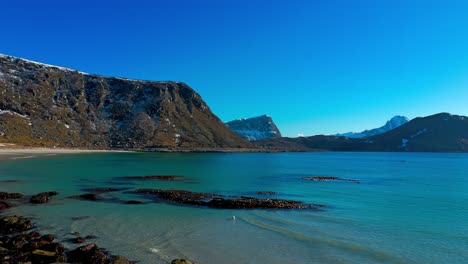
10 196
90 196
134 202
156 177
4 206
329 178
180 261
120 260
223 202
78 240
43 197
266 193
103 190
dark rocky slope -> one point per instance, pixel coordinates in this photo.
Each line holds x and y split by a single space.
43 105
255 128
437 133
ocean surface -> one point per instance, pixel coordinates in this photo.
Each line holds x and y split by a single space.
408 208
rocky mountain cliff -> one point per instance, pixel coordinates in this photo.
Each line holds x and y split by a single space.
437 133
45 105
393 123
255 128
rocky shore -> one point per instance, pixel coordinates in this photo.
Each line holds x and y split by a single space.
22 242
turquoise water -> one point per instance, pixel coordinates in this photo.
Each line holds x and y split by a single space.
409 207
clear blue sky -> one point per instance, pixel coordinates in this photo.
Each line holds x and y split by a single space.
314 66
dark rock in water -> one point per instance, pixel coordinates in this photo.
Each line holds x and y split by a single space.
10 196
41 198
90 237
78 218
4 206
156 177
90 196
180 261
223 202
78 240
48 238
120 260
89 254
103 190
49 253
14 224
134 202
329 178
251 203
266 193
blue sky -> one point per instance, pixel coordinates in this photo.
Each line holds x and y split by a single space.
317 67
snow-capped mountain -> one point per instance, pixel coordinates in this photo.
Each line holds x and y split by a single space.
393 123
255 128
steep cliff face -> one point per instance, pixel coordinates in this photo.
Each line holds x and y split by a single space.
54 106
255 128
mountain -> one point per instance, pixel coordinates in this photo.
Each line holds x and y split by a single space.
255 128
437 133
393 123
44 105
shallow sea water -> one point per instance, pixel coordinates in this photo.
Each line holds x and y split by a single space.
409 207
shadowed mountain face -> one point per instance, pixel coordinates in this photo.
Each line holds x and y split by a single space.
53 106
393 123
437 133
255 128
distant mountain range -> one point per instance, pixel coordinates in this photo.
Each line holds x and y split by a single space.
255 128
45 105
437 133
50 106
393 123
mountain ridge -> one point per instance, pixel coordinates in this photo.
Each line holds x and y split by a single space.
53 106
393 123
440 132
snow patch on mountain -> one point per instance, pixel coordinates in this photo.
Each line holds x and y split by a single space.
393 123
255 128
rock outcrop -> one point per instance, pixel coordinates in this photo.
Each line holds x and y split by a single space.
255 128
43 105
222 201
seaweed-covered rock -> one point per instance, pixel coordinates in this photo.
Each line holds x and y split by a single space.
89 254
10 196
43 197
223 202
14 224
49 253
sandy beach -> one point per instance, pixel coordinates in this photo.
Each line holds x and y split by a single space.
10 151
